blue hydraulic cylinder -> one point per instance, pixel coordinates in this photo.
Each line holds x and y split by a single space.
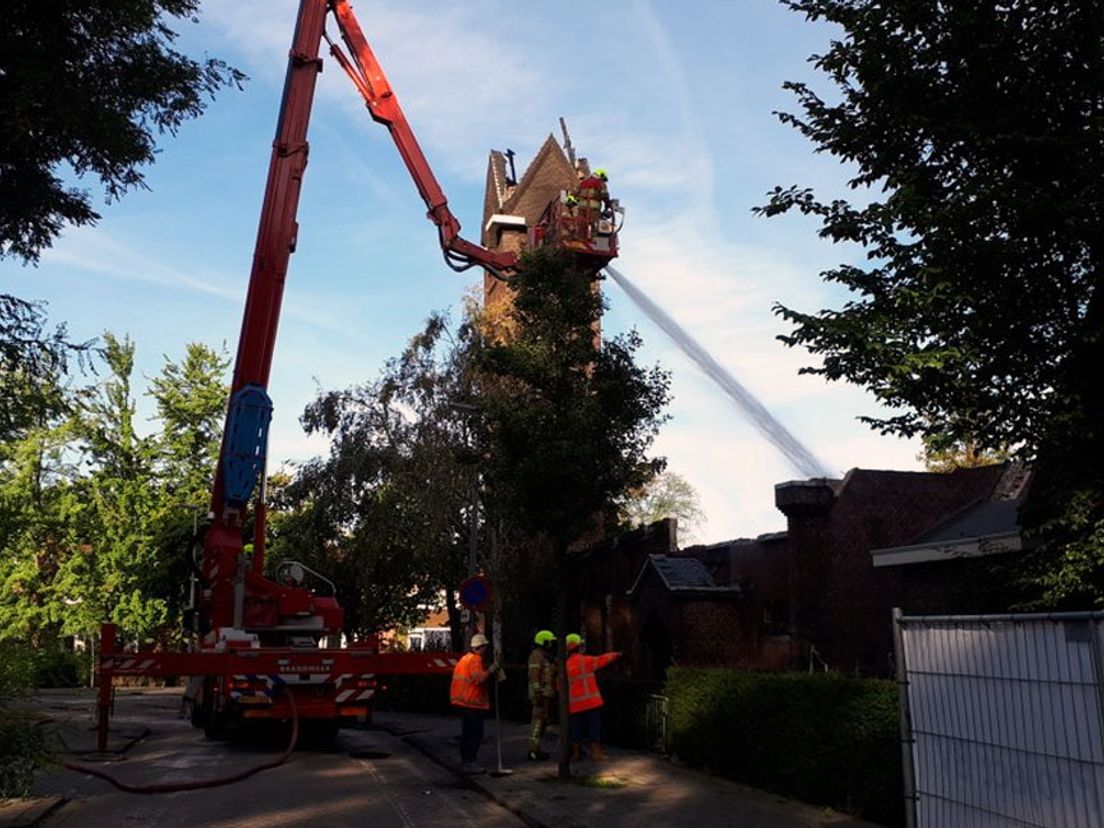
246 442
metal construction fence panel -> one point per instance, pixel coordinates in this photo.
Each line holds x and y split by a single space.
655 723
1002 720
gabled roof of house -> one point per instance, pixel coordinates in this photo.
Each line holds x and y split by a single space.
685 576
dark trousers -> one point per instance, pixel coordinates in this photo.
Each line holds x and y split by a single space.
586 727
471 734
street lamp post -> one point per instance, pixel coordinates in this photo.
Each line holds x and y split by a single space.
473 518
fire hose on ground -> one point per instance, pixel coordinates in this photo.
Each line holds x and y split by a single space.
173 787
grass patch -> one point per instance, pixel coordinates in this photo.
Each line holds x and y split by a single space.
595 781
606 781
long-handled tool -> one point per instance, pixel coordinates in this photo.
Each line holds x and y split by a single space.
500 771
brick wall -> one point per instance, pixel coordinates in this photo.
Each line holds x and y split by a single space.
841 603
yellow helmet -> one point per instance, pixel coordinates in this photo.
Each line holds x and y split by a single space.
544 637
601 173
574 640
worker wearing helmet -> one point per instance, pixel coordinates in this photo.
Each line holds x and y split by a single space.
469 694
569 217
584 698
542 689
593 197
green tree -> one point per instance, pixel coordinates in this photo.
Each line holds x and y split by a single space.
191 400
667 495
384 514
974 133
85 89
38 505
92 517
942 455
108 576
567 424
36 471
33 359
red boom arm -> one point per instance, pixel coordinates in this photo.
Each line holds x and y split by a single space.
369 78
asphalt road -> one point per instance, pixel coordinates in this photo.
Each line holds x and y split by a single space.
329 786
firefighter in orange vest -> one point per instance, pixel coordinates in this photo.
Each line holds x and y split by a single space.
584 698
469 694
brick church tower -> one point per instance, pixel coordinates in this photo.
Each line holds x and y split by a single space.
510 207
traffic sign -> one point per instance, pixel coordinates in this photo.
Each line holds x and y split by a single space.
475 593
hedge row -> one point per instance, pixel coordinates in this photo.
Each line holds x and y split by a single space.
23 668
21 752
20 741
822 739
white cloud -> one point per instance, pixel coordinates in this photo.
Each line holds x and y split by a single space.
95 251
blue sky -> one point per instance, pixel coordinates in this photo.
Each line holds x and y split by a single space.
674 99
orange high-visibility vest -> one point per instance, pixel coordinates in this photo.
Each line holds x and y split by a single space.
469 683
583 691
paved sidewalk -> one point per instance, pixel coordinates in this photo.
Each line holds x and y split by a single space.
630 789
25 813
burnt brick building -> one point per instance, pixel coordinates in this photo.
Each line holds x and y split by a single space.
819 593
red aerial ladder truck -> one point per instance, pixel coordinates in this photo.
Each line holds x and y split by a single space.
258 636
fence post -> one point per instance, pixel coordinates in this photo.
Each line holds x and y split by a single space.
1097 647
909 772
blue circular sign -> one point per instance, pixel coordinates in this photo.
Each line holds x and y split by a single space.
475 592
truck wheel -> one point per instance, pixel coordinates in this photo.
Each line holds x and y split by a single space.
201 708
199 714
